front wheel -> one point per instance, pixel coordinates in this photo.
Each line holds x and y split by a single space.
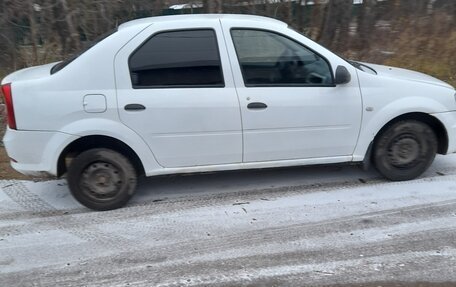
102 179
405 150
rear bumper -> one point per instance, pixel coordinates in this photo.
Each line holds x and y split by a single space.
448 119
35 153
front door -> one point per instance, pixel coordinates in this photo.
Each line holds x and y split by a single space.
175 90
290 107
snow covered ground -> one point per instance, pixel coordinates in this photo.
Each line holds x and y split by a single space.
285 227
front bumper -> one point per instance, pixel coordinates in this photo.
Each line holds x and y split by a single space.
35 153
448 119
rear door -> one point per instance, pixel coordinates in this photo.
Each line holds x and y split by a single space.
175 89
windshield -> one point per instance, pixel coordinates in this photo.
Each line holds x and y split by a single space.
59 66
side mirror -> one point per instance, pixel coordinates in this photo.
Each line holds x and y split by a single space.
342 76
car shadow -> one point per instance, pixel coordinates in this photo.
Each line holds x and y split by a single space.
170 186
244 180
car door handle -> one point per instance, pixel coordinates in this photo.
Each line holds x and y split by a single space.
134 107
257 106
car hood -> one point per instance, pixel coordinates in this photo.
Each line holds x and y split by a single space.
29 73
398 73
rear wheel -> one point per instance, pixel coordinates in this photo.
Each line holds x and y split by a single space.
102 179
405 150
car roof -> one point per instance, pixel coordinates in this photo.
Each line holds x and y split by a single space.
184 18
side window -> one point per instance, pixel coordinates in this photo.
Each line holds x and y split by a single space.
188 58
267 58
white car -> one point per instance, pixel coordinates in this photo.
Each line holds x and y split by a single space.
199 93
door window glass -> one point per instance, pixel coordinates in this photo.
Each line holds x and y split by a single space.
267 58
185 58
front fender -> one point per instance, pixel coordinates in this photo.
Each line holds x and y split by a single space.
374 121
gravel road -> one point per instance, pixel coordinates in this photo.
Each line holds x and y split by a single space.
311 226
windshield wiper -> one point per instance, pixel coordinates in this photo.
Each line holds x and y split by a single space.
360 66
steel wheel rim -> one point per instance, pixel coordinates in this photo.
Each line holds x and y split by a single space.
404 151
102 180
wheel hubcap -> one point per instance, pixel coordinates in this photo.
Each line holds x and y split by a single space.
101 180
404 151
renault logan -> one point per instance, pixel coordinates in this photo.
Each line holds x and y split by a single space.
198 93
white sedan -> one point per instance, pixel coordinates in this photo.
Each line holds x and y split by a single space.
199 93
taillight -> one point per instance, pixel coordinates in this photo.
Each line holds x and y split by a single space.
6 89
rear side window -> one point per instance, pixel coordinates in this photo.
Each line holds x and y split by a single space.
59 66
188 58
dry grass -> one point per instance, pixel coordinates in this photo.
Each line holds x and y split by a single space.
426 44
6 171
434 55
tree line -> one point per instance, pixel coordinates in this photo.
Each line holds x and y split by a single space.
416 34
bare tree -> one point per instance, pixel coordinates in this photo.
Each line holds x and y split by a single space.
336 23
39 31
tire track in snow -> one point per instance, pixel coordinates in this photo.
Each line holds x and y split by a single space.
319 249
36 207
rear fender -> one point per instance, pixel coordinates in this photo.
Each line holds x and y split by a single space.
109 128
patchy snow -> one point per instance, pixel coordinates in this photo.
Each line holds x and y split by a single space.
334 224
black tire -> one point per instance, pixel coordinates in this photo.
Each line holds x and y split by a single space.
405 150
102 179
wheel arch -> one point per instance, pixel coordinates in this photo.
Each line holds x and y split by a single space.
436 125
97 141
